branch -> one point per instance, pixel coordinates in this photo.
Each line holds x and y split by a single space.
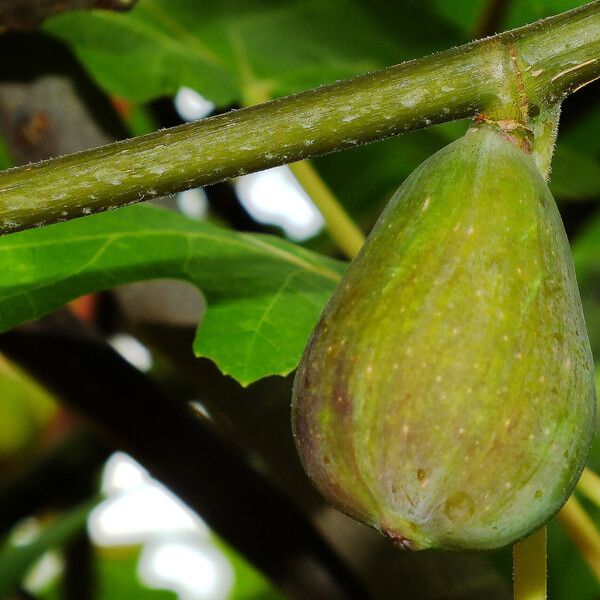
342 229
29 14
79 579
556 56
236 501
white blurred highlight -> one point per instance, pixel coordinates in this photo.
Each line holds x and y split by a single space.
45 571
193 203
191 106
26 531
132 350
193 568
275 197
140 514
140 508
177 553
121 472
272 197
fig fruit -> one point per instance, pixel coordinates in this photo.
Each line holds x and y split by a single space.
446 396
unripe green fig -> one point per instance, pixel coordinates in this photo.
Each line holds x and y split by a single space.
446 397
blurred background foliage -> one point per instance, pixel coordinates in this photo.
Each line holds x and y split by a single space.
89 77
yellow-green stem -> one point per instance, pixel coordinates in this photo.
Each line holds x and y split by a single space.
589 486
529 567
583 532
342 228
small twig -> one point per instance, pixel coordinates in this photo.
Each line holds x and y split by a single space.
583 532
529 570
589 486
342 229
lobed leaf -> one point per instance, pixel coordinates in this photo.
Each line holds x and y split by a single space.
264 294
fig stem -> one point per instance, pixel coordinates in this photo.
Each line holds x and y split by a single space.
529 567
583 532
589 486
342 229
556 57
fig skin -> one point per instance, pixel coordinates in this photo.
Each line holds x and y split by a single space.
446 397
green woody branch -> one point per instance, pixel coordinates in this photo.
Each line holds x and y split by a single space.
502 77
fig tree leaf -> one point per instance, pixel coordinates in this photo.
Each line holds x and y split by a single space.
219 48
264 294
223 48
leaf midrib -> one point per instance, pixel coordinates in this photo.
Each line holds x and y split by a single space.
248 243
